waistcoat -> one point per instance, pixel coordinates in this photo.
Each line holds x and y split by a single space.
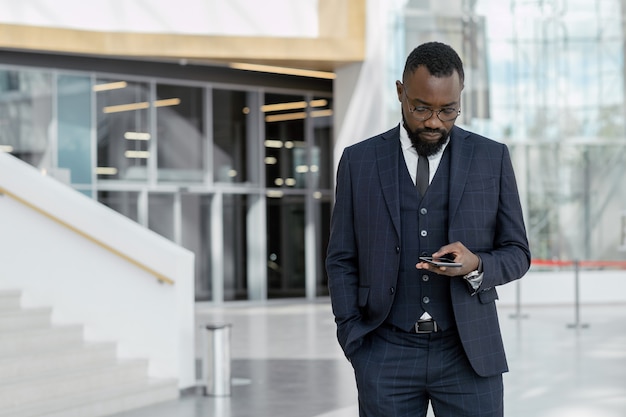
424 229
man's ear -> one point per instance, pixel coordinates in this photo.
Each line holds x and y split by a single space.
399 90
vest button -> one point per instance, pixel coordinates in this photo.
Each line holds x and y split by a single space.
426 300
397 249
424 233
392 290
423 210
425 277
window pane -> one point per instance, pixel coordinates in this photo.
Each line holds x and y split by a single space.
235 248
123 129
285 148
196 236
230 130
180 133
323 227
74 127
125 203
285 244
26 115
161 214
322 152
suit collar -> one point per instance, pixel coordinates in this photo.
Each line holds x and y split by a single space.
461 154
387 155
461 149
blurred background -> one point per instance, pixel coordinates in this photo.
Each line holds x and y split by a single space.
186 115
164 165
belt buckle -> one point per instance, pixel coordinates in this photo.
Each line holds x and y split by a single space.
434 328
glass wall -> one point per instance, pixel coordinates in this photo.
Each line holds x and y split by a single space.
180 133
231 117
557 72
232 174
123 129
74 144
26 108
546 78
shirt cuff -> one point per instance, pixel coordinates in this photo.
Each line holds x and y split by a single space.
475 281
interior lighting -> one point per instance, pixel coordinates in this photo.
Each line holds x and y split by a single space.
137 136
302 169
293 105
110 86
276 144
297 115
137 154
126 107
290 182
6 148
283 70
270 160
167 102
320 102
232 173
285 117
279 181
106 171
317 195
322 113
141 105
274 194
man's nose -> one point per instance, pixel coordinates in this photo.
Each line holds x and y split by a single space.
433 122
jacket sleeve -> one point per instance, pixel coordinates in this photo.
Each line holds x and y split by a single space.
342 260
510 257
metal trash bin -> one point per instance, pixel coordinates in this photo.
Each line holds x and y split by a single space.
217 361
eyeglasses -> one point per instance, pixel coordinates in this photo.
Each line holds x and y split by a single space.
422 113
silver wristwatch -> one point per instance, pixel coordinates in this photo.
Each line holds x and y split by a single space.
471 275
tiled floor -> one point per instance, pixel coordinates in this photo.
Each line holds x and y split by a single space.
286 363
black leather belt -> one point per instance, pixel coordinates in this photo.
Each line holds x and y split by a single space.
426 326
420 327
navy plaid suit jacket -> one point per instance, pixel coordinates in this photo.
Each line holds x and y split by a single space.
363 253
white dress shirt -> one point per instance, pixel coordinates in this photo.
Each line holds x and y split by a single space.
410 156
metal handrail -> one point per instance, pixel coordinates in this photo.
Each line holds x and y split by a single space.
160 277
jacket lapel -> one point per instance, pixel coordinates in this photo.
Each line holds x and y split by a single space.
387 152
461 154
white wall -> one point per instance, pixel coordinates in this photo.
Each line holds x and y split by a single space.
85 283
558 287
273 18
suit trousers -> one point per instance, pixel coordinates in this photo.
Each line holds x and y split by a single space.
398 373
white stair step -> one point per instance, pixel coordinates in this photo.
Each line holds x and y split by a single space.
10 300
31 318
37 340
15 393
100 403
60 360
49 371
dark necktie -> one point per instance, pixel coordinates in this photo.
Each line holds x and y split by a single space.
421 182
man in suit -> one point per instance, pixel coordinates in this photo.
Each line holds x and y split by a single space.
417 333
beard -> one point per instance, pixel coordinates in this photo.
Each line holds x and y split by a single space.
423 147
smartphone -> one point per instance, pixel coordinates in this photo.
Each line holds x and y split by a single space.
440 261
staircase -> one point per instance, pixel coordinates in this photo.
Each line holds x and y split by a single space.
49 371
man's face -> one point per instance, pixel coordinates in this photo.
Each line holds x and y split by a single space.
419 94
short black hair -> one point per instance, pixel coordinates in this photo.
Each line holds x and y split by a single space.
440 60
